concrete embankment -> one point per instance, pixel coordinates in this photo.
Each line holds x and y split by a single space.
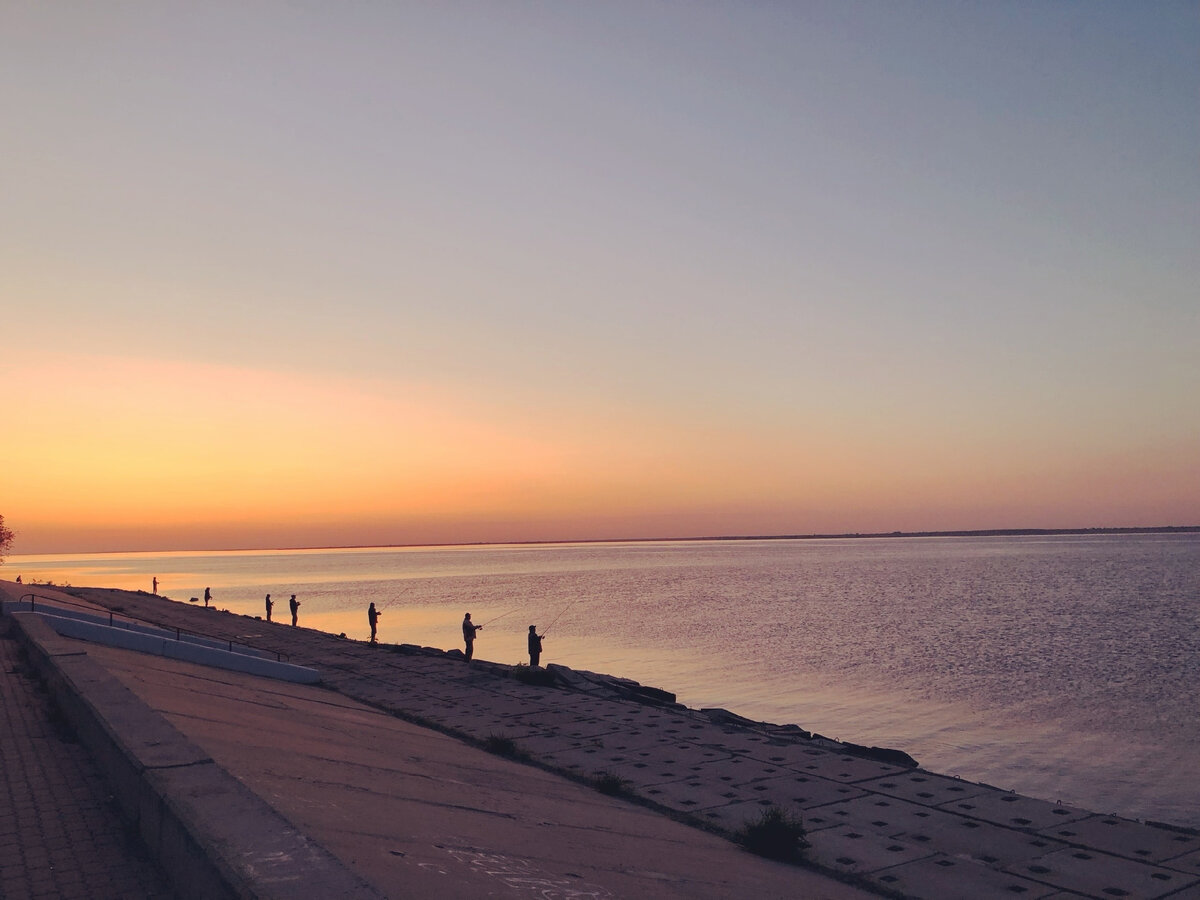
248 786
413 812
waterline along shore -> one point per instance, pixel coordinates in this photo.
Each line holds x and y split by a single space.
403 771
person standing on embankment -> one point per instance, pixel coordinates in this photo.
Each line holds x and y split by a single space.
535 646
469 629
373 619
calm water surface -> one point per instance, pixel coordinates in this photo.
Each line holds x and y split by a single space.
1061 667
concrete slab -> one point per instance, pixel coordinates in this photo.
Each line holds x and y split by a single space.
1124 837
687 795
926 788
944 878
1189 862
742 743
1102 875
734 815
1015 811
597 730
655 763
803 757
948 832
846 849
801 791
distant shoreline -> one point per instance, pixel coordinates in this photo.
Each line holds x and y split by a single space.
984 532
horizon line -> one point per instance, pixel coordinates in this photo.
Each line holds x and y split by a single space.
982 532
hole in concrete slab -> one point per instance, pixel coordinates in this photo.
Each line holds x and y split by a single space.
916 778
882 803
970 824
1081 855
854 834
845 861
887 784
799 800
989 859
1067 833
1160 876
923 838
888 879
895 848
1008 799
1142 852
921 815
1115 892
1039 870
1017 889
956 789
944 863
1022 821
1110 821
924 794
729 795
1060 812
761 787
879 823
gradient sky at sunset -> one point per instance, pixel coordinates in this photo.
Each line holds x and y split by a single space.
309 273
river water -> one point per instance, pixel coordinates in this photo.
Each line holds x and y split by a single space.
1061 667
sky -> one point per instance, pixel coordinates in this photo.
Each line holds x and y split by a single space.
304 273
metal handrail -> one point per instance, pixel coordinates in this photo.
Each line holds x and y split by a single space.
279 656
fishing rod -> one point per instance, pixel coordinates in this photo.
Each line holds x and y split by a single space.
546 630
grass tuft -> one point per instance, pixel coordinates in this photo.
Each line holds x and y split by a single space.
776 835
612 785
502 746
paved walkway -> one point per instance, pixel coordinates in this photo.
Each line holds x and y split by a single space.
60 834
904 830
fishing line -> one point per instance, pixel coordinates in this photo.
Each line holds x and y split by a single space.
546 630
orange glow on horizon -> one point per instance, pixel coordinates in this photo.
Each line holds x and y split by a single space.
145 454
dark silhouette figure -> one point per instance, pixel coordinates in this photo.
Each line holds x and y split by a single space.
154 583
294 605
535 646
469 629
373 618
207 596
18 579
270 606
